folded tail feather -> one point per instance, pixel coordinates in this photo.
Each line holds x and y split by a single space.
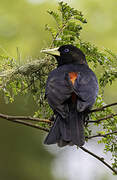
54 133
67 132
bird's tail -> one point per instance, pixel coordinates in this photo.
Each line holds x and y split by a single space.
67 131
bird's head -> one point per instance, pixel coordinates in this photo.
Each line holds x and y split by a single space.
67 54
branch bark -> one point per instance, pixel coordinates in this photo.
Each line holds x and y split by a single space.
24 120
102 108
101 159
102 119
26 69
30 125
27 118
101 135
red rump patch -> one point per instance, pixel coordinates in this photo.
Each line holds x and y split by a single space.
73 76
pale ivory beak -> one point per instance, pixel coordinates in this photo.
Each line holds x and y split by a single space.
53 51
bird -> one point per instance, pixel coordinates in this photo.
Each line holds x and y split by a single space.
71 90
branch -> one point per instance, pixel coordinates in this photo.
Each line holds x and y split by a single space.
58 33
102 119
25 69
30 124
99 158
102 108
100 135
12 118
24 120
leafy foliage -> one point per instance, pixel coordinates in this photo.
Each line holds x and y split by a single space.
31 77
68 22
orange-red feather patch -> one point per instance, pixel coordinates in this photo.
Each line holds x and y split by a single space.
73 76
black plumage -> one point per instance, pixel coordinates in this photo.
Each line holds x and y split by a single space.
71 90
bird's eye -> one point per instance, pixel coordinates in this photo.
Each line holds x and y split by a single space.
66 50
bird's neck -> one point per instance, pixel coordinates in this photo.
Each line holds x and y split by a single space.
61 61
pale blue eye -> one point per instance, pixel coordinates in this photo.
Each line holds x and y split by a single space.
66 50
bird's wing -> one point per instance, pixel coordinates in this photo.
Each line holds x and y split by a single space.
61 86
59 89
86 88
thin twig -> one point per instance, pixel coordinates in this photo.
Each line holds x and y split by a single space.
23 120
29 124
100 135
102 108
58 33
102 119
28 118
99 158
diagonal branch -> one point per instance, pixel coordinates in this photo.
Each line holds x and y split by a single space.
101 135
58 33
30 124
102 119
102 108
26 118
101 159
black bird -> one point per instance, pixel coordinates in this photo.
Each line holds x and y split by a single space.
71 91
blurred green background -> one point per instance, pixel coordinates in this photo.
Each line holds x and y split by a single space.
22 26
